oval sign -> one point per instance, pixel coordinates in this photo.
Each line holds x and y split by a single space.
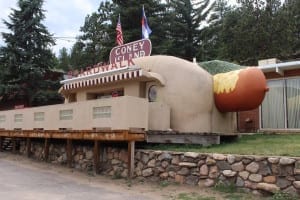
136 49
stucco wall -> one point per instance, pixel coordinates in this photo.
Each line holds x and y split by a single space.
82 117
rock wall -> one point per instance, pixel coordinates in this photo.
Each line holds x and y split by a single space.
253 173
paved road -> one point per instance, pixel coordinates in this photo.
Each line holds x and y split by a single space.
19 181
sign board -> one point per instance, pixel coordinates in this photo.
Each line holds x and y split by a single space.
136 49
99 68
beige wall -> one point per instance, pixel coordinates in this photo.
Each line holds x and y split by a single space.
159 116
224 123
126 112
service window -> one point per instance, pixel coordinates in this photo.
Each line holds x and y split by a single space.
72 98
106 94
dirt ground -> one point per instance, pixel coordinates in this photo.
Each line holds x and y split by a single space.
60 182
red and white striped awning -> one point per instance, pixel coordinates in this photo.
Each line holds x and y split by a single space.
102 78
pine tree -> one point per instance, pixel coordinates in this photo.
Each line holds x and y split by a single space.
26 59
98 35
158 20
210 42
64 60
291 12
188 21
255 30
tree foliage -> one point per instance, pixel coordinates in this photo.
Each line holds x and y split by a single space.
26 59
63 60
207 30
257 29
188 19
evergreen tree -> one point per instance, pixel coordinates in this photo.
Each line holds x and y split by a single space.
77 56
291 12
97 34
188 21
210 42
27 59
99 30
64 60
158 20
255 30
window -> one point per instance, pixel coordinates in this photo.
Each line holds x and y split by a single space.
293 103
39 116
273 113
152 93
18 117
102 112
72 98
66 114
2 118
105 94
281 106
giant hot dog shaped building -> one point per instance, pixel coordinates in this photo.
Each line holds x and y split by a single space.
153 93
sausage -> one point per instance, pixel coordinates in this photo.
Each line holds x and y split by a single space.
239 90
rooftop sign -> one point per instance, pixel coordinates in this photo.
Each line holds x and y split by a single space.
136 49
120 57
100 68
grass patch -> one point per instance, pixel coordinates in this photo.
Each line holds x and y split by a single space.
164 184
258 144
221 187
192 196
283 196
239 196
231 192
117 175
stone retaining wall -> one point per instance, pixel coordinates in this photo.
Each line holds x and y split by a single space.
253 173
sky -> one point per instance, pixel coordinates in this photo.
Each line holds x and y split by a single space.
63 18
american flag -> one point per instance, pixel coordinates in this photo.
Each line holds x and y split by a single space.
119 38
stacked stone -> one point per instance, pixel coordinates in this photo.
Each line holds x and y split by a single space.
83 158
114 162
256 173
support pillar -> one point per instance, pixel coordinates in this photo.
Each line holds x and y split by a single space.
28 147
14 145
131 150
46 149
1 139
96 157
69 153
